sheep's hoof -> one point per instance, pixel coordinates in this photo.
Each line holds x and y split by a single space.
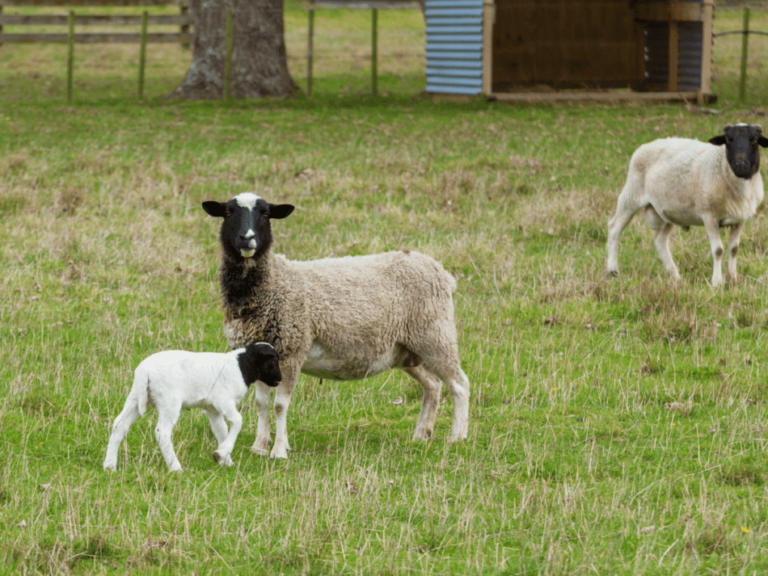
216 457
613 273
260 451
110 468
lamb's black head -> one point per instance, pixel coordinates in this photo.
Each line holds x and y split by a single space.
260 362
741 147
245 232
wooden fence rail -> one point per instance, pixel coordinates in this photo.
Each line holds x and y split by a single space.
70 20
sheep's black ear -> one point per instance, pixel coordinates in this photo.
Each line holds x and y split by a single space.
279 211
718 140
217 209
763 141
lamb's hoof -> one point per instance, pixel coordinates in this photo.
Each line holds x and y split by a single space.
179 470
222 460
613 273
422 435
110 468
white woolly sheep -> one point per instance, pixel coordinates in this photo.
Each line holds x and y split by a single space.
337 318
690 183
176 379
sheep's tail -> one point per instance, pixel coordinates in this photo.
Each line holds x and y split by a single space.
451 282
139 395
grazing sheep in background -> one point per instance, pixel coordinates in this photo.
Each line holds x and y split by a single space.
337 318
692 183
175 379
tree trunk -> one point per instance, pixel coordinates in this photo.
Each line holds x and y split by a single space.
259 64
205 77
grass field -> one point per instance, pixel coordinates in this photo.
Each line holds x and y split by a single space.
616 426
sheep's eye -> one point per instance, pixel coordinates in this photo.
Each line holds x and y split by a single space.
266 215
228 214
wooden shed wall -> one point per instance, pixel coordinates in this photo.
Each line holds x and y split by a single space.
566 44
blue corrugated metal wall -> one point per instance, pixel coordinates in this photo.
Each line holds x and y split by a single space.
454 46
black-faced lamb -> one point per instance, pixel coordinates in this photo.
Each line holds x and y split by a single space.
690 183
177 379
337 318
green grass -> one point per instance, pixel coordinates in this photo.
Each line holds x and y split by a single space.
616 426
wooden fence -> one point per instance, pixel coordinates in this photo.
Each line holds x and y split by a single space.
71 19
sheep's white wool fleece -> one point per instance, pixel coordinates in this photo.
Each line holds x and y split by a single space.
683 179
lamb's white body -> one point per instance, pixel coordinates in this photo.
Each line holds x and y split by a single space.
686 183
175 380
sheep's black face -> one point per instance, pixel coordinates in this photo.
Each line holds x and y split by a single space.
260 362
742 143
246 232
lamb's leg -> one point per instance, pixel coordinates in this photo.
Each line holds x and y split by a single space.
430 401
263 440
282 401
661 241
733 250
218 425
166 420
120 428
712 227
222 454
625 211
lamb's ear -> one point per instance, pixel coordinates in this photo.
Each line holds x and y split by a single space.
763 141
279 211
718 140
217 209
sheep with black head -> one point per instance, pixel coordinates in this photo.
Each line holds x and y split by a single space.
682 182
336 318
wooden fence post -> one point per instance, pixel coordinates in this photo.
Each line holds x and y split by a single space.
184 29
310 52
143 52
70 54
744 42
374 50
228 56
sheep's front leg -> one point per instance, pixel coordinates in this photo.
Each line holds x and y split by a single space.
733 250
263 440
166 420
431 384
224 451
282 401
712 227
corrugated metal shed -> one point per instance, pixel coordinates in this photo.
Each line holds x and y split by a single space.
454 46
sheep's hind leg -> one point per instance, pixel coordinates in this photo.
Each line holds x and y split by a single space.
120 428
263 440
431 384
166 420
733 250
224 451
625 211
661 241
218 425
442 358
